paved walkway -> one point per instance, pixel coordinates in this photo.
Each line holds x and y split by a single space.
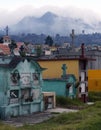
36 117
28 119
60 110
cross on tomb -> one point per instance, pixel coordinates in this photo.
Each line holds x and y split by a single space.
64 67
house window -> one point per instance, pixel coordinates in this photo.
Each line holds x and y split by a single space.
5 40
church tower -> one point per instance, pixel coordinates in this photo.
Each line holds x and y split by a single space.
6 38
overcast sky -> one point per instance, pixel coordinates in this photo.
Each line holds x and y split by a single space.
14 4
12 11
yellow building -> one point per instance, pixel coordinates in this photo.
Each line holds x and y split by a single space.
54 67
94 80
75 66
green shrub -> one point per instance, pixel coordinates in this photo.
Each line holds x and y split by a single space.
67 102
94 96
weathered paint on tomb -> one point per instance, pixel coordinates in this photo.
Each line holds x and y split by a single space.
20 87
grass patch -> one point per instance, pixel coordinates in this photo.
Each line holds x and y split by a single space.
94 96
69 103
85 119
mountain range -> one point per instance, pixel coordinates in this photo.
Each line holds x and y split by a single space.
52 24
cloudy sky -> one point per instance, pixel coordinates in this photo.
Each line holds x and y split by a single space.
12 11
14 4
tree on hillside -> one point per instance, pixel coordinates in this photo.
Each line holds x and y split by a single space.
38 51
49 41
12 46
1 40
22 51
26 43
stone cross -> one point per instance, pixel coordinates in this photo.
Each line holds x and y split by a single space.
64 67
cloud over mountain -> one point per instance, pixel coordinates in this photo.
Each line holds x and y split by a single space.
51 23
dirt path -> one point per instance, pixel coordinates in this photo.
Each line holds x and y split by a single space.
36 117
29 119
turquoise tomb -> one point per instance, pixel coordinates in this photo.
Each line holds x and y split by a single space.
20 87
65 86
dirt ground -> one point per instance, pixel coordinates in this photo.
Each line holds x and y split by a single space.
35 117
